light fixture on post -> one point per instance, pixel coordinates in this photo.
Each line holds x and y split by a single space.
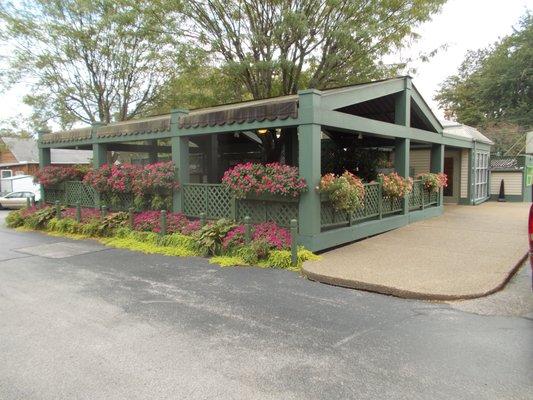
360 136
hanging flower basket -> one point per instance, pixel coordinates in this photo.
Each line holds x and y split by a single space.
346 192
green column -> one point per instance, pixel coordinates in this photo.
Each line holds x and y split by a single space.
99 149
180 157
45 159
437 164
401 164
309 163
212 159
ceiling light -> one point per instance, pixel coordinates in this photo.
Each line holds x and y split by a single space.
262 131
360 136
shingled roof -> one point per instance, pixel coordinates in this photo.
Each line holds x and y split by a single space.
25 151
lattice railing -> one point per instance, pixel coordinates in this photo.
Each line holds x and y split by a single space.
277 209
214 200
78 191
53 194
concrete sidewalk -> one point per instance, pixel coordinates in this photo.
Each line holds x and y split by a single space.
466 253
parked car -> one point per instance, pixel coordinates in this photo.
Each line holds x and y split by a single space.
16 199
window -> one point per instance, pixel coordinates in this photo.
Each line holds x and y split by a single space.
481 175
6 173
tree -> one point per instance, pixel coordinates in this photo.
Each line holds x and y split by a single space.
494 86
89 60
275 47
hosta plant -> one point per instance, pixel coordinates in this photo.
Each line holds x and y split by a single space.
394 185
433 182
345 191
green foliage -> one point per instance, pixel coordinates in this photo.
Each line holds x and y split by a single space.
132 242
14 219
64 225
278 47
40 218
282 259
90 60
494 85
346 192
227 261
177 240
209 237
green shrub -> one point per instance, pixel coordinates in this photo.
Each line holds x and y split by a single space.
131 243
14 219
282 259
65 225
209 238
40 218
227 261
177 240
148 237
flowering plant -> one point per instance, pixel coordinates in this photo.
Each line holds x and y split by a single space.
98 178
87 214
176 222
274 178
434 182
274 236
157 178
394 185
346 191
53 175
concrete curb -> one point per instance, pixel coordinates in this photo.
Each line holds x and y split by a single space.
407 294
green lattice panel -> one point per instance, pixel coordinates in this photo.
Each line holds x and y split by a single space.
415 198
117 201
51 195
219 202
255 209
282 212
371 203
194 199
392 205
430 198
330 216
78 191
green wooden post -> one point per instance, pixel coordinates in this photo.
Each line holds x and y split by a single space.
203 220
78 212
180 157
58 210
45 159
402 116
437 166
247 230
294 242
32 201
309 162
401 165
99 153
131 211
163 223
104 211
28 202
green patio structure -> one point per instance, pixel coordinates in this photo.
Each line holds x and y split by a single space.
389 116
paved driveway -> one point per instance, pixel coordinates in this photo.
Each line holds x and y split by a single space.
84 322
465 253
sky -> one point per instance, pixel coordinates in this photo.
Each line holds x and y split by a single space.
462 25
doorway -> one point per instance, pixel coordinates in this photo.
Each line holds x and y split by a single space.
452 171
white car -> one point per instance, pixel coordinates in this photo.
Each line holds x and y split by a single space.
16 199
